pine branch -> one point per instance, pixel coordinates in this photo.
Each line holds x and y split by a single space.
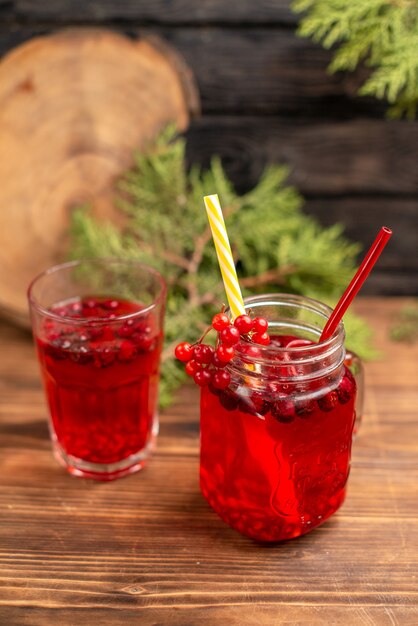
270 277
381 33
275 243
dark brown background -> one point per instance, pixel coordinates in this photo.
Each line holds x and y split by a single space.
266 97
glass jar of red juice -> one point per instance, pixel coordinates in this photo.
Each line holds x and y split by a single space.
276 444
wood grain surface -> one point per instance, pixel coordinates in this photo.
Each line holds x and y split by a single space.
247 70
343 158
148 549
74 107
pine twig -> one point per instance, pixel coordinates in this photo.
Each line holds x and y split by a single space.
166 255
270 277
194 263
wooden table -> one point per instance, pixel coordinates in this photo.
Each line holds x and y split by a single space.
148 549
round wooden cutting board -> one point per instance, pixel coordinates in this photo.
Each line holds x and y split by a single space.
74 106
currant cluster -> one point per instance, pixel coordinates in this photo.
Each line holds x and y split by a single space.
207 364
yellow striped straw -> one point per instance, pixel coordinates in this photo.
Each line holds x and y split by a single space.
223 250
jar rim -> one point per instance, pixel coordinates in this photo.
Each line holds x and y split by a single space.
297 355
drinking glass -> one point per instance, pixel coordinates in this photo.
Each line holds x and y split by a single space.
98 330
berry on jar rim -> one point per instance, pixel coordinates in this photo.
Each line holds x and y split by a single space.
202 377
244 323
192 367
229 336
261 338
225 353
220 321
203 353
183 351
260 325
221 379
216 362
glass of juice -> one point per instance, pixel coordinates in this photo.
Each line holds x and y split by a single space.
276 444
98 329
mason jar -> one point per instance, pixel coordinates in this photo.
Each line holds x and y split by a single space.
276 444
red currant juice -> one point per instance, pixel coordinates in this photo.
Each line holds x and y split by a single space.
274 467
101 378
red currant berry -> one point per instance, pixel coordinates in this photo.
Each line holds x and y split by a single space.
304 408
255 404
216 362
128 329
221 379
229 336
262 338
110 304
202 377
346 388
244 324
203 353
127 351
225 353
183 351
103 357
220 321
298 343
192 367
143 341
89 303
81 355
260 325
249 352
283 411
228 400
329 401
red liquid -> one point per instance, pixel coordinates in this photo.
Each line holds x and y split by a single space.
101 378
274 466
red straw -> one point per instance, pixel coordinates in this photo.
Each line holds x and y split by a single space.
357 281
